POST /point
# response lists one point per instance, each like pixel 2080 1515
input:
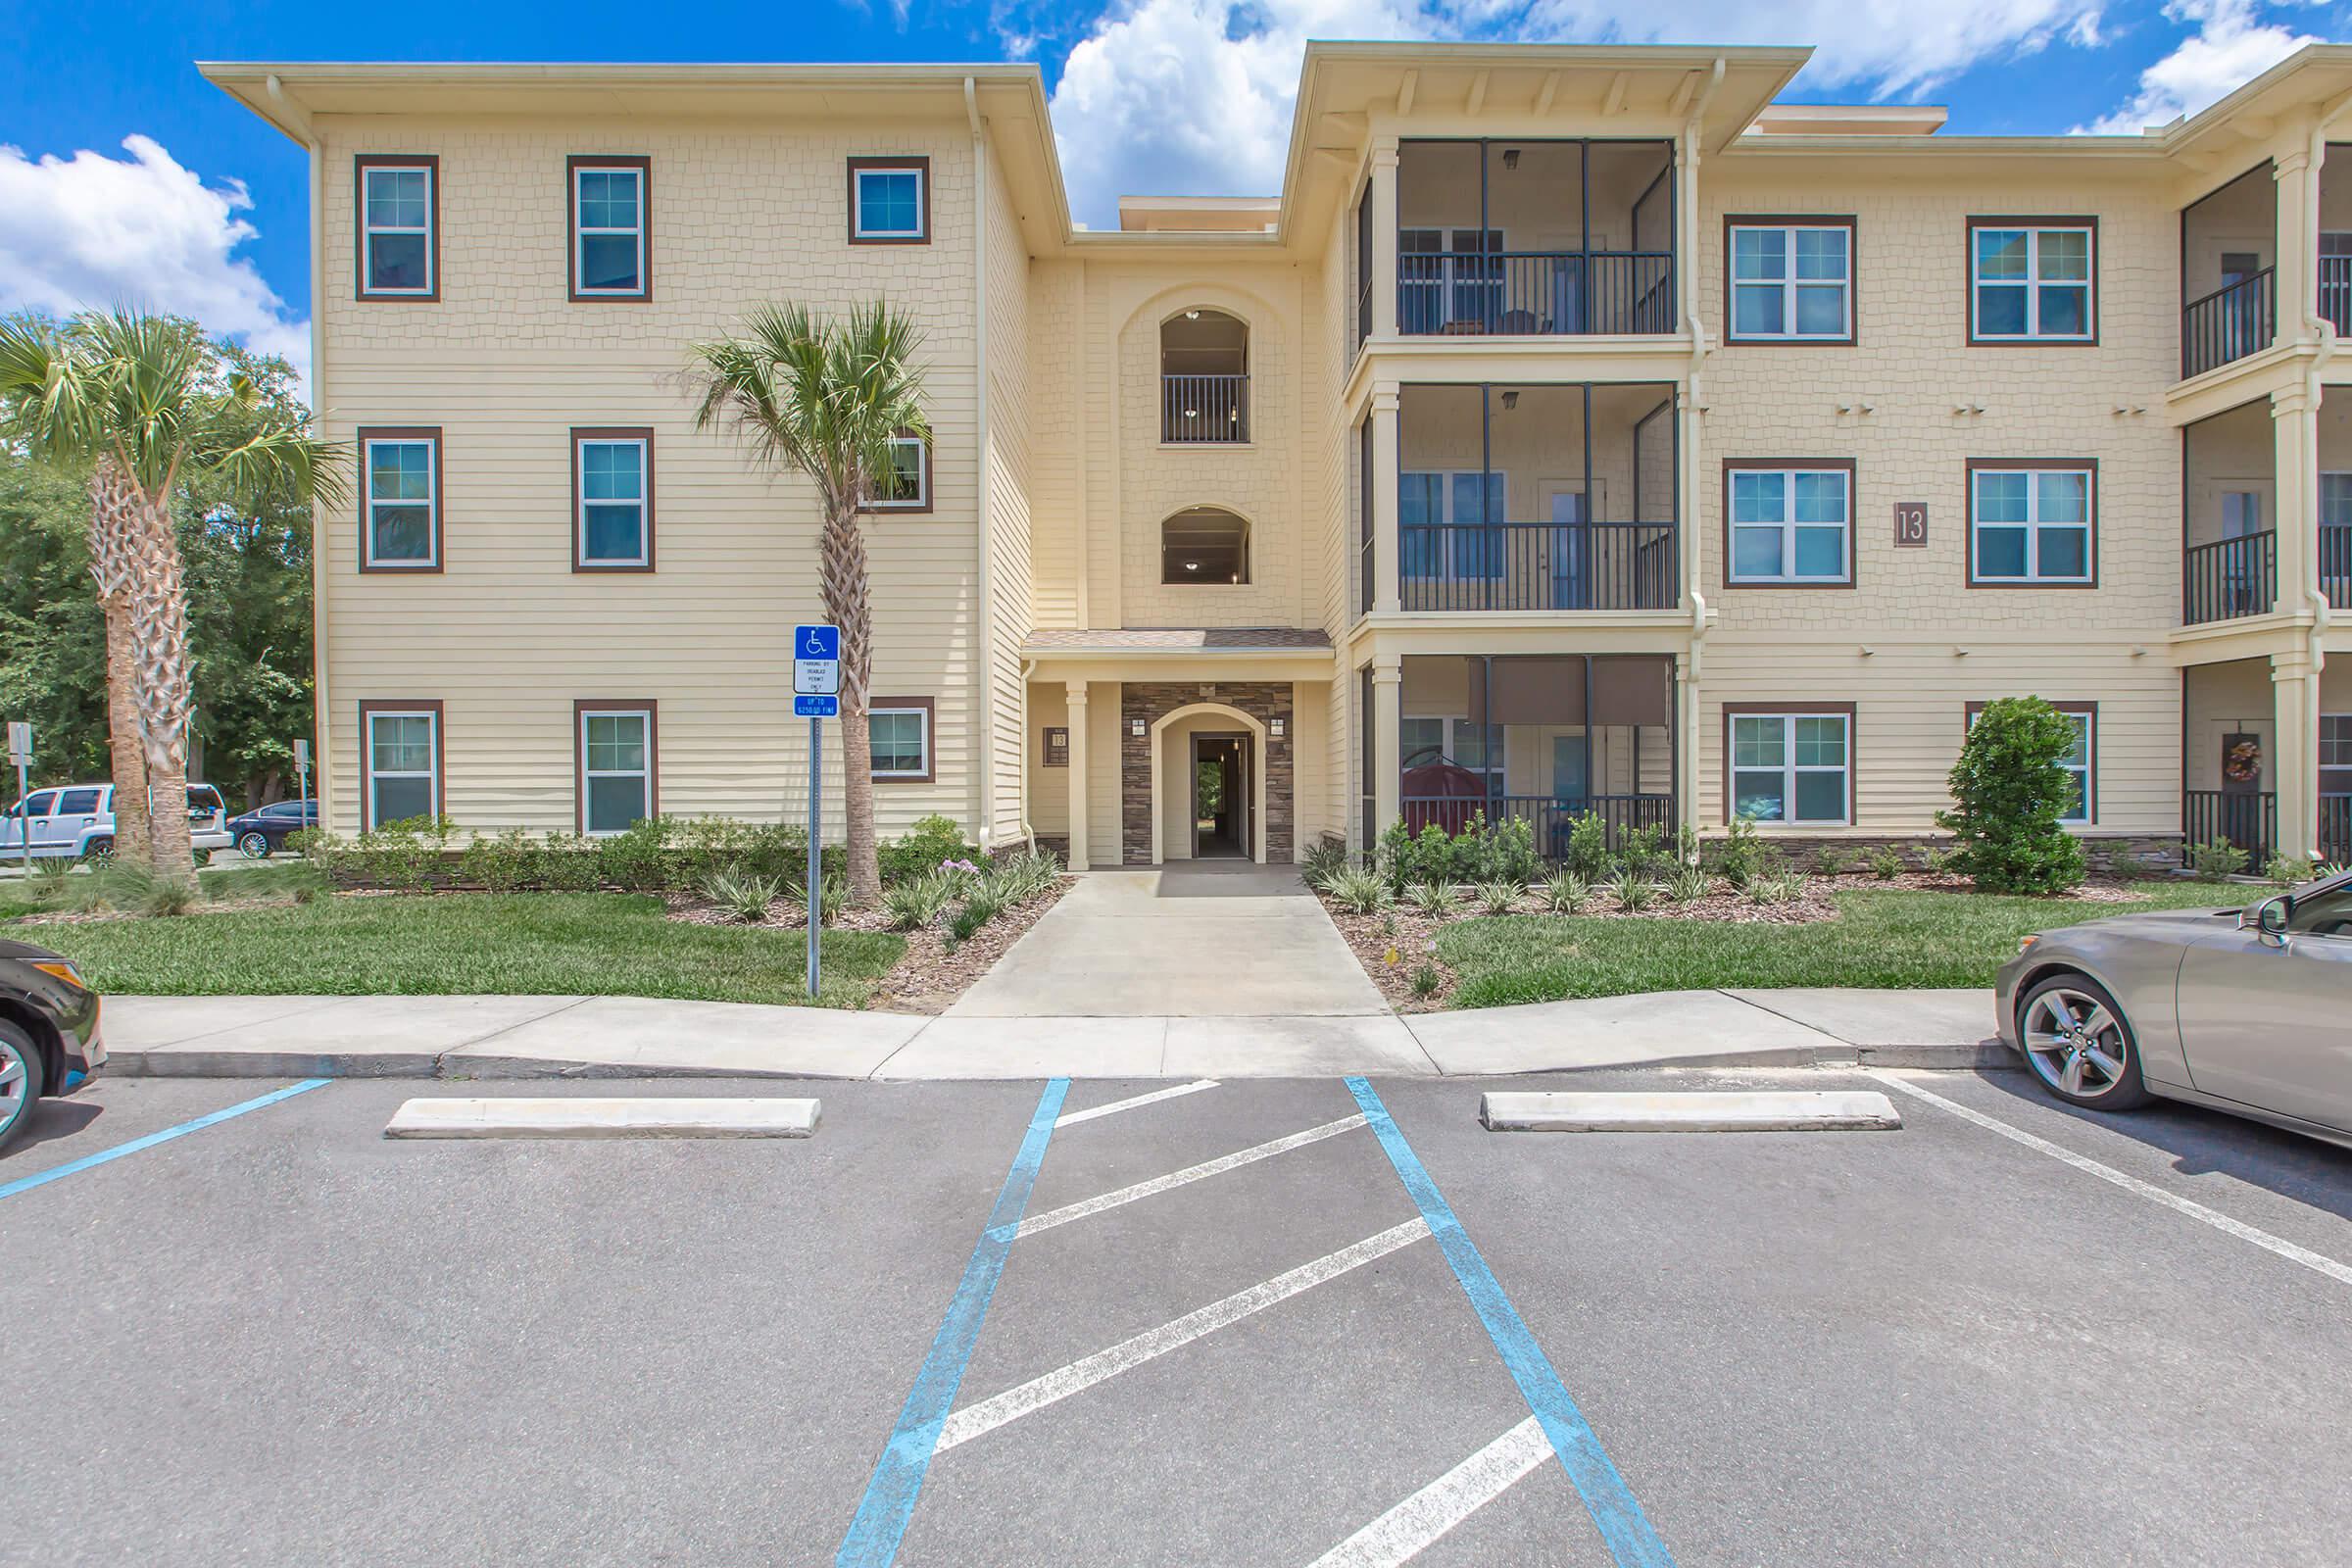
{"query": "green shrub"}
pixel 1776 887
pixel 1738 855
pixel 1830 860
pixel 1632 890
pixel 168 895
pixel 406 855
pixel 1565 892
pixel 1688 885
pixel 1022 875
pixel 1588 852
pixel 635 859
pixel 922 847
pixel 1324 860
pixel 1885 862
pixel 832 897
pixel 917 902
pixel 2008 793
pixel 743 895
pixel 1641 851
pixel 2287 870
pixel 1503 851
pixel 979 908
pixel 500 864
pixel 1436 900
pixel 2217 861
pixel 1426 981
pixel 1936 860
pixel 1359 891
pixel 1499 895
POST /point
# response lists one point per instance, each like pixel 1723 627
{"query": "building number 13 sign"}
pixel 1910 525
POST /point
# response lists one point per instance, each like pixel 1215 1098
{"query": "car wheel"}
pixel 255 844
pixel 2079 1044
pixel 101 851
pixel 20 1080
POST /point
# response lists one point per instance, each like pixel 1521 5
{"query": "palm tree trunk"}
pixel 114 529
pixel 842 566
pixel 158 624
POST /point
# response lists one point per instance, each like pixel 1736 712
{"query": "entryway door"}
pixel 1221 803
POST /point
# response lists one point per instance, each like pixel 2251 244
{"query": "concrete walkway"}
pixel 1195 939
pixel 522 1037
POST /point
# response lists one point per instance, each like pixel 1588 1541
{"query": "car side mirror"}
pixel 2268 917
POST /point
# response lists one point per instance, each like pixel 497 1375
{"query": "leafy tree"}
pixel 824 398
pixel 2008 794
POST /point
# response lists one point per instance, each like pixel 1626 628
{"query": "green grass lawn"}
pixel 600 944
pixel 1891 939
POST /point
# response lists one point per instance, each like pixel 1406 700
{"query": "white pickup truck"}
pixel 79 820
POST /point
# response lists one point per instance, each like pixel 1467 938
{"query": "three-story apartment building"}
pixel 1578 429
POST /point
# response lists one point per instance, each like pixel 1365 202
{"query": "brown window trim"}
pixel 1853 762
pixel 645 227
pixel 360 165
pixel 1968 279
pixel 2090 783
pixel 386 704
pixel 400 432
pixel 581 708
pixel 1853 508
pixel 922 166
pixel 593 432
pixel 1853 276
pixel 1968 543
pixel 910 508
pixel 929 706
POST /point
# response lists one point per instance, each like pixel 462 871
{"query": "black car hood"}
pixel 27 950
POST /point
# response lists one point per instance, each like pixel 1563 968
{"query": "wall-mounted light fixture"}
pixel 1274 728
pixel 1134 727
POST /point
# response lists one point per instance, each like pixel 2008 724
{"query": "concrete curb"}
pixel 586 1118
pixel 1691 1112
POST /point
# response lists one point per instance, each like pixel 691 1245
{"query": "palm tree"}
pixel 137 397
pixel 826 398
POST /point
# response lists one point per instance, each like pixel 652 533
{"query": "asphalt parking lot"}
pixel 281 1338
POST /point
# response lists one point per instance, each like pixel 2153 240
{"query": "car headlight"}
pixel 2025 944
pixel 62 970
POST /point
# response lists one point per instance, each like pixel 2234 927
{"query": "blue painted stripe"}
pixel 27 1184
pixel 874 1535
pixel 1623 1525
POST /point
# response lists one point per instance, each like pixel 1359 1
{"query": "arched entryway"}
pixel 1191 746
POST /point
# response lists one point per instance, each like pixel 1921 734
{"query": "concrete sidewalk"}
pixel 613 1037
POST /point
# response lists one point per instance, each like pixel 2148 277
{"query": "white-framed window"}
pixel 613 516
pixel 1792 767
pixel 1441 532
pixel 1792 281
pixel 1474 748
pixel 2080 764
pixel 900 736
pixel 890 201
pixel 396 230
pixel 400 495
pixel 1791 525
pixel 2030 283
pixel 2335 740
pixel 608 230
pixel 908 485
pixel 403 763
pixel 617 767
pixel 2030 524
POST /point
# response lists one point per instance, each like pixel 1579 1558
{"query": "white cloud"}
pixel 2231 47
pixel 1192 97
pixel 92 231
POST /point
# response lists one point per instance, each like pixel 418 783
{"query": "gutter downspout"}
pixel 1028 833
pixel 320 692
pixel 1686 232
pixel 984 668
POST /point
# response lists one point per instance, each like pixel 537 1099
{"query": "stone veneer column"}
pixel 1263 701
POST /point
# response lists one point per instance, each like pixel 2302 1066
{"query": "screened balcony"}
pixel 1537 498
pixel 2229 562
pixel 1540 238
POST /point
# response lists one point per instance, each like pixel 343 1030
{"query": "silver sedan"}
pixel 2243 1010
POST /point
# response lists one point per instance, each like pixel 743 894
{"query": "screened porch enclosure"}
pixel 1542 739
pixel 1559 497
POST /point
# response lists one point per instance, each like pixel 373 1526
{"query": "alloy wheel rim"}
pixel 254 844
pixel 12 1085
pixel 2075 1042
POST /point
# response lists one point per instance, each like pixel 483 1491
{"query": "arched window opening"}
pixel 1205 545
pixel 1203 377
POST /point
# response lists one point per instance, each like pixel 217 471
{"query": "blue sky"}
pixel 206 211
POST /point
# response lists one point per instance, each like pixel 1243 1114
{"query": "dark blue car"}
pixel 262 833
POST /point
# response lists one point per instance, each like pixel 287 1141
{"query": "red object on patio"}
pixel 1442 791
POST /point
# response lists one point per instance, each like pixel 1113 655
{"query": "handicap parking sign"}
pixel 816 661
pixel 817 708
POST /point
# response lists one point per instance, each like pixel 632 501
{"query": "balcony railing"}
pixel 1537 565
pixel 1204 408
pixel 2228 324
pixel 2249 820
pixel 2335 291
pixel 2335 563
pixel 1549 817
pixel 1535 293
pixel 2336 828
pixel 2229 578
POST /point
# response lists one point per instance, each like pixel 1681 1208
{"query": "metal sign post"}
pixel 302 777
pixel 20 752
pixel 815 697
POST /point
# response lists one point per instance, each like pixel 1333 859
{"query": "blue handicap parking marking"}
pixel 27 1184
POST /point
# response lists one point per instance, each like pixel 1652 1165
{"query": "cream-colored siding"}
pixel 1010 470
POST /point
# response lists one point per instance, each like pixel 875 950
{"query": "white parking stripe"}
pixel 1160 1184
pixel 1406 1531
pixel 2339 1272
pixel 976 1420
pixel 1152 1099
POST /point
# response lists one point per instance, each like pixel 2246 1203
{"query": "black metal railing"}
pixel 2335 563
pixel 1204 408
pixel 2335 291
pixel 2229 578
pixel 1551 817
pixel 1537 565
pixel 2335 829
pixel 2228 324
pixel 1535 293
pixel 2247 819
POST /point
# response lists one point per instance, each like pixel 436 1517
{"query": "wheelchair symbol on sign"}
pixel 816 644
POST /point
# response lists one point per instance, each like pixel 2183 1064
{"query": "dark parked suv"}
pixel 262 833
pixel 48 1032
